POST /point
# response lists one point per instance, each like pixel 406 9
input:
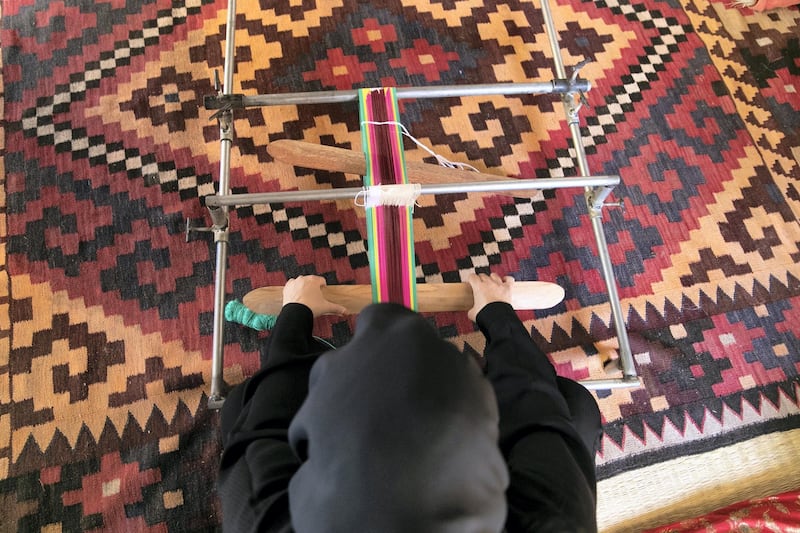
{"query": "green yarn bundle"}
pixel 237 312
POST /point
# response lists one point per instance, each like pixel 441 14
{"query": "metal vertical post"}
pixel 595 208
pixel 219 217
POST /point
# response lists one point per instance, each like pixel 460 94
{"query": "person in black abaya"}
pixel 398 431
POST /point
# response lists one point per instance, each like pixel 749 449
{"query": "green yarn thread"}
pixel 237 312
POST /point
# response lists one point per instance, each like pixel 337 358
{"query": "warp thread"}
pixel 442 160
pixel 238 313
pixel 390 228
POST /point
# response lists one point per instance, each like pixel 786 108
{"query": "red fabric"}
pixel 765 5
pixel 774 513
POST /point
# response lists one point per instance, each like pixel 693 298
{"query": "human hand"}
pixel 307 290
pixel 488 289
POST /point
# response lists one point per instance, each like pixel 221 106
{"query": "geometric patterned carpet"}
pixel 106 310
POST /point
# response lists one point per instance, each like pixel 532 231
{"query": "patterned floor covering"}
pixel 105 321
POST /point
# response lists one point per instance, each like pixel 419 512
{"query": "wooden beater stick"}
pixel 331 158
pixel 431 297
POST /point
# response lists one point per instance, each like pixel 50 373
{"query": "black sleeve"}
pixel 552 472
pixel 257 462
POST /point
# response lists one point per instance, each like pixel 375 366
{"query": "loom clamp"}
pixel 191 228
pixel 620 204
pixel 220 232
pixel 573 104
pixel 223 103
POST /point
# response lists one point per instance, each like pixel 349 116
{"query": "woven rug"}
pixel 106 309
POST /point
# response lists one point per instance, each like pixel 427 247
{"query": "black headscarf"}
pixel 398 433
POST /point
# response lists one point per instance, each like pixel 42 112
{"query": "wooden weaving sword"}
pixel 333 159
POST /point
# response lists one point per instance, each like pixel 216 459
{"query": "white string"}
pixel 443 161
pixel 401 194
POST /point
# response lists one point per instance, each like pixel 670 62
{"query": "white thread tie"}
pixel 443 161
pixel 403 195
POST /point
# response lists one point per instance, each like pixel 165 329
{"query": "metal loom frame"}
pixel 571 89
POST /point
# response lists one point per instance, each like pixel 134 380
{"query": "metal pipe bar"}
pixel 596 215
pixel 220 220
pixel 217 392
pixel 625 355
pixel 230 48
pixel 606 384
pixel 594 204
pixel 552 37
pixel 559 86
pixel 431 188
